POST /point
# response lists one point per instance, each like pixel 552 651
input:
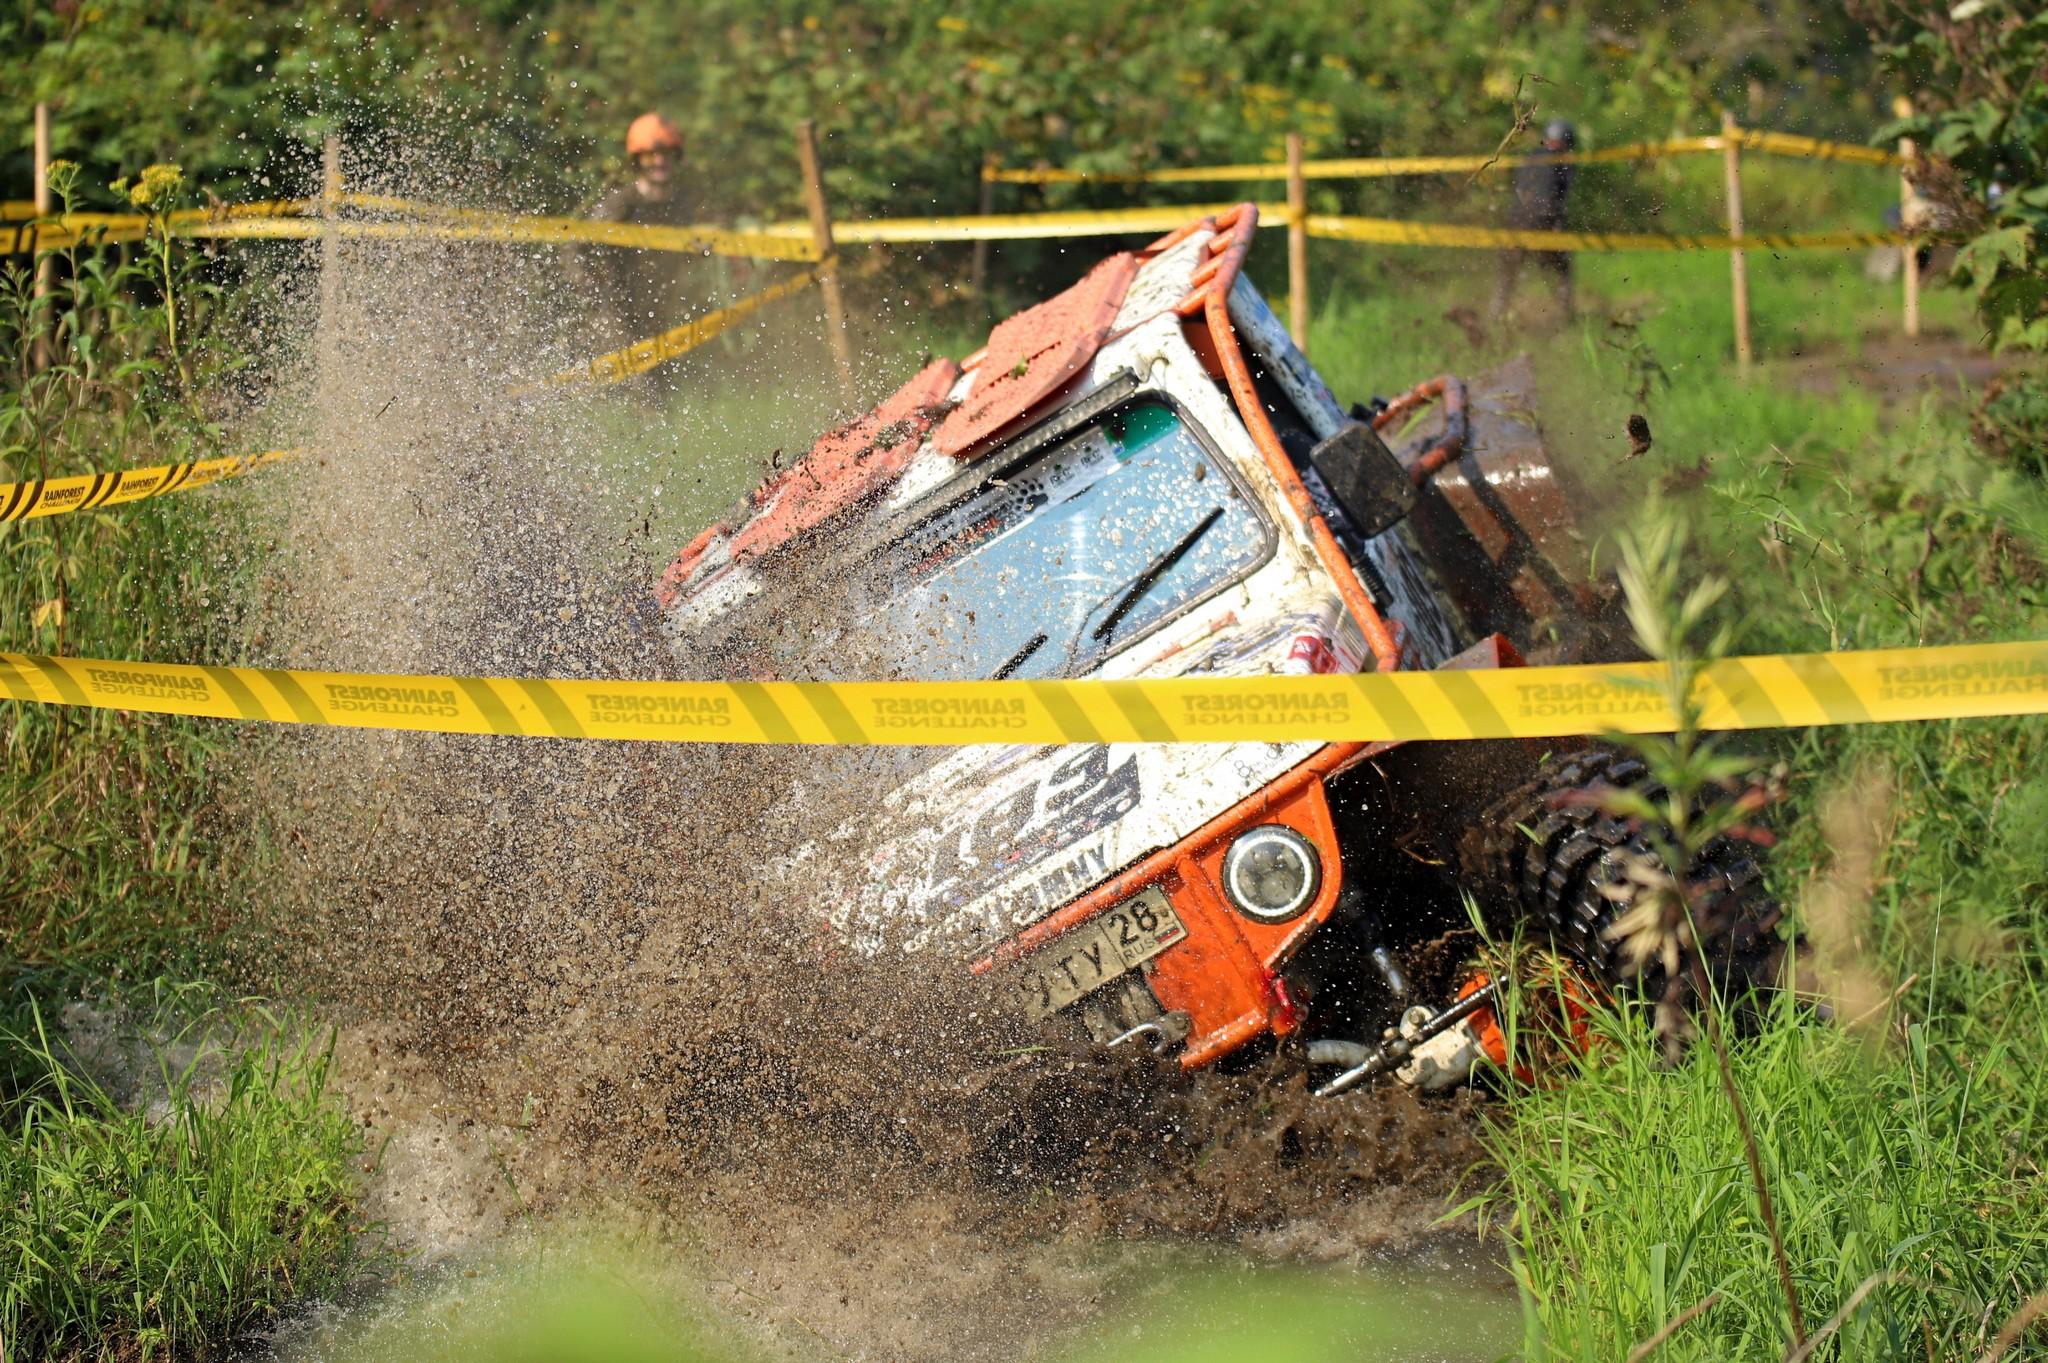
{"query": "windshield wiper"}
pixel 1146 580
pixel 1017 659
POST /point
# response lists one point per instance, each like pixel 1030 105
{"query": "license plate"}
pixel 1095 953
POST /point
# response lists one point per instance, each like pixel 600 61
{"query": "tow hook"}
pixel 1163 1033
pixel 1395 1051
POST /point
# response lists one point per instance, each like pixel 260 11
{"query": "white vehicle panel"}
pixel 990 839
pixel 1004 836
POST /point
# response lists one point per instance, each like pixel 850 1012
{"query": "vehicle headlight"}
pixel 1271 873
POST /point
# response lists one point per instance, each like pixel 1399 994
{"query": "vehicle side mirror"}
pixel 1364 477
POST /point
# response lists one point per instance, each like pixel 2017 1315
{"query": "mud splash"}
pixel 560 985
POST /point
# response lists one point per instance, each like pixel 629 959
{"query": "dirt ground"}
pixel 933 1260
pixel 1897 368
pixel 853 1157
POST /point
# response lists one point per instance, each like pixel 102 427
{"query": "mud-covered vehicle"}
pixel 1143 477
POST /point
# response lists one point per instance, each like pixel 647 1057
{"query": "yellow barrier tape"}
pixel 92 491
pixel 642 356
pixel 288 220
pixel 1395 232
pixel 504 226
pixel 1352 168
pixel 1815 149
pixel 1375 167
pixel 547 231
pixel 1787 690
pixel 1121 221
pixel 59 231
pixel 1022 226
pixel 185 217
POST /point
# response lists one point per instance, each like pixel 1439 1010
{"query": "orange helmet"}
pixel 652 132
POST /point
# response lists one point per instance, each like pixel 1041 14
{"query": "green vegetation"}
pixel 910 93
pixel 1900 1143
pixel 129 1233
pixel 1986 117
pixel 112 864
pixel 171 1230
pixel 1900 1183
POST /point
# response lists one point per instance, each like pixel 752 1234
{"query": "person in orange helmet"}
pixel 653 146
pixel 638 293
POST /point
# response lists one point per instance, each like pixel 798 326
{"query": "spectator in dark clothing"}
pixel 639 293
pixel 1538 204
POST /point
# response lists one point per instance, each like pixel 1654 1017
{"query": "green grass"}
pixel 114 863
pixel 113 870
pixel 1379 322
pixel 1905 1160
pixel 124 1235
pixel 166 1233
pixel 1903 1173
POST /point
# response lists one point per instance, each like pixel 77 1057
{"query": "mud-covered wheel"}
pixel 1558 867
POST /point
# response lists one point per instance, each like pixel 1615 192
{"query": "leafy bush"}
pixel 1984 68
pixel 910 94
pixel 2012 422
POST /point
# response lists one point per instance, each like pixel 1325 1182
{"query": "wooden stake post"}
pixel 1910 251
pixel 828 269
pixel 330 250
pixel 977 274
pixel 1297 245
pixel 46 277
pixel 1909 214
pixel 1738 266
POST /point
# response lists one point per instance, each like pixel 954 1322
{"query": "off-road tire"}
pixel 1543 863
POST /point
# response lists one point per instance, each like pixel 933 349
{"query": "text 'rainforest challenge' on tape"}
pixel 1963 681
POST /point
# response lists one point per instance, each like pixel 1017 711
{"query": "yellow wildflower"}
pixel 952 23
pixel 156 184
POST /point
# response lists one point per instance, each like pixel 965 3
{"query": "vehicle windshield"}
pixel 1049 568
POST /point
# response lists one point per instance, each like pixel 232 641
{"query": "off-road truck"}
pixel 1144 477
